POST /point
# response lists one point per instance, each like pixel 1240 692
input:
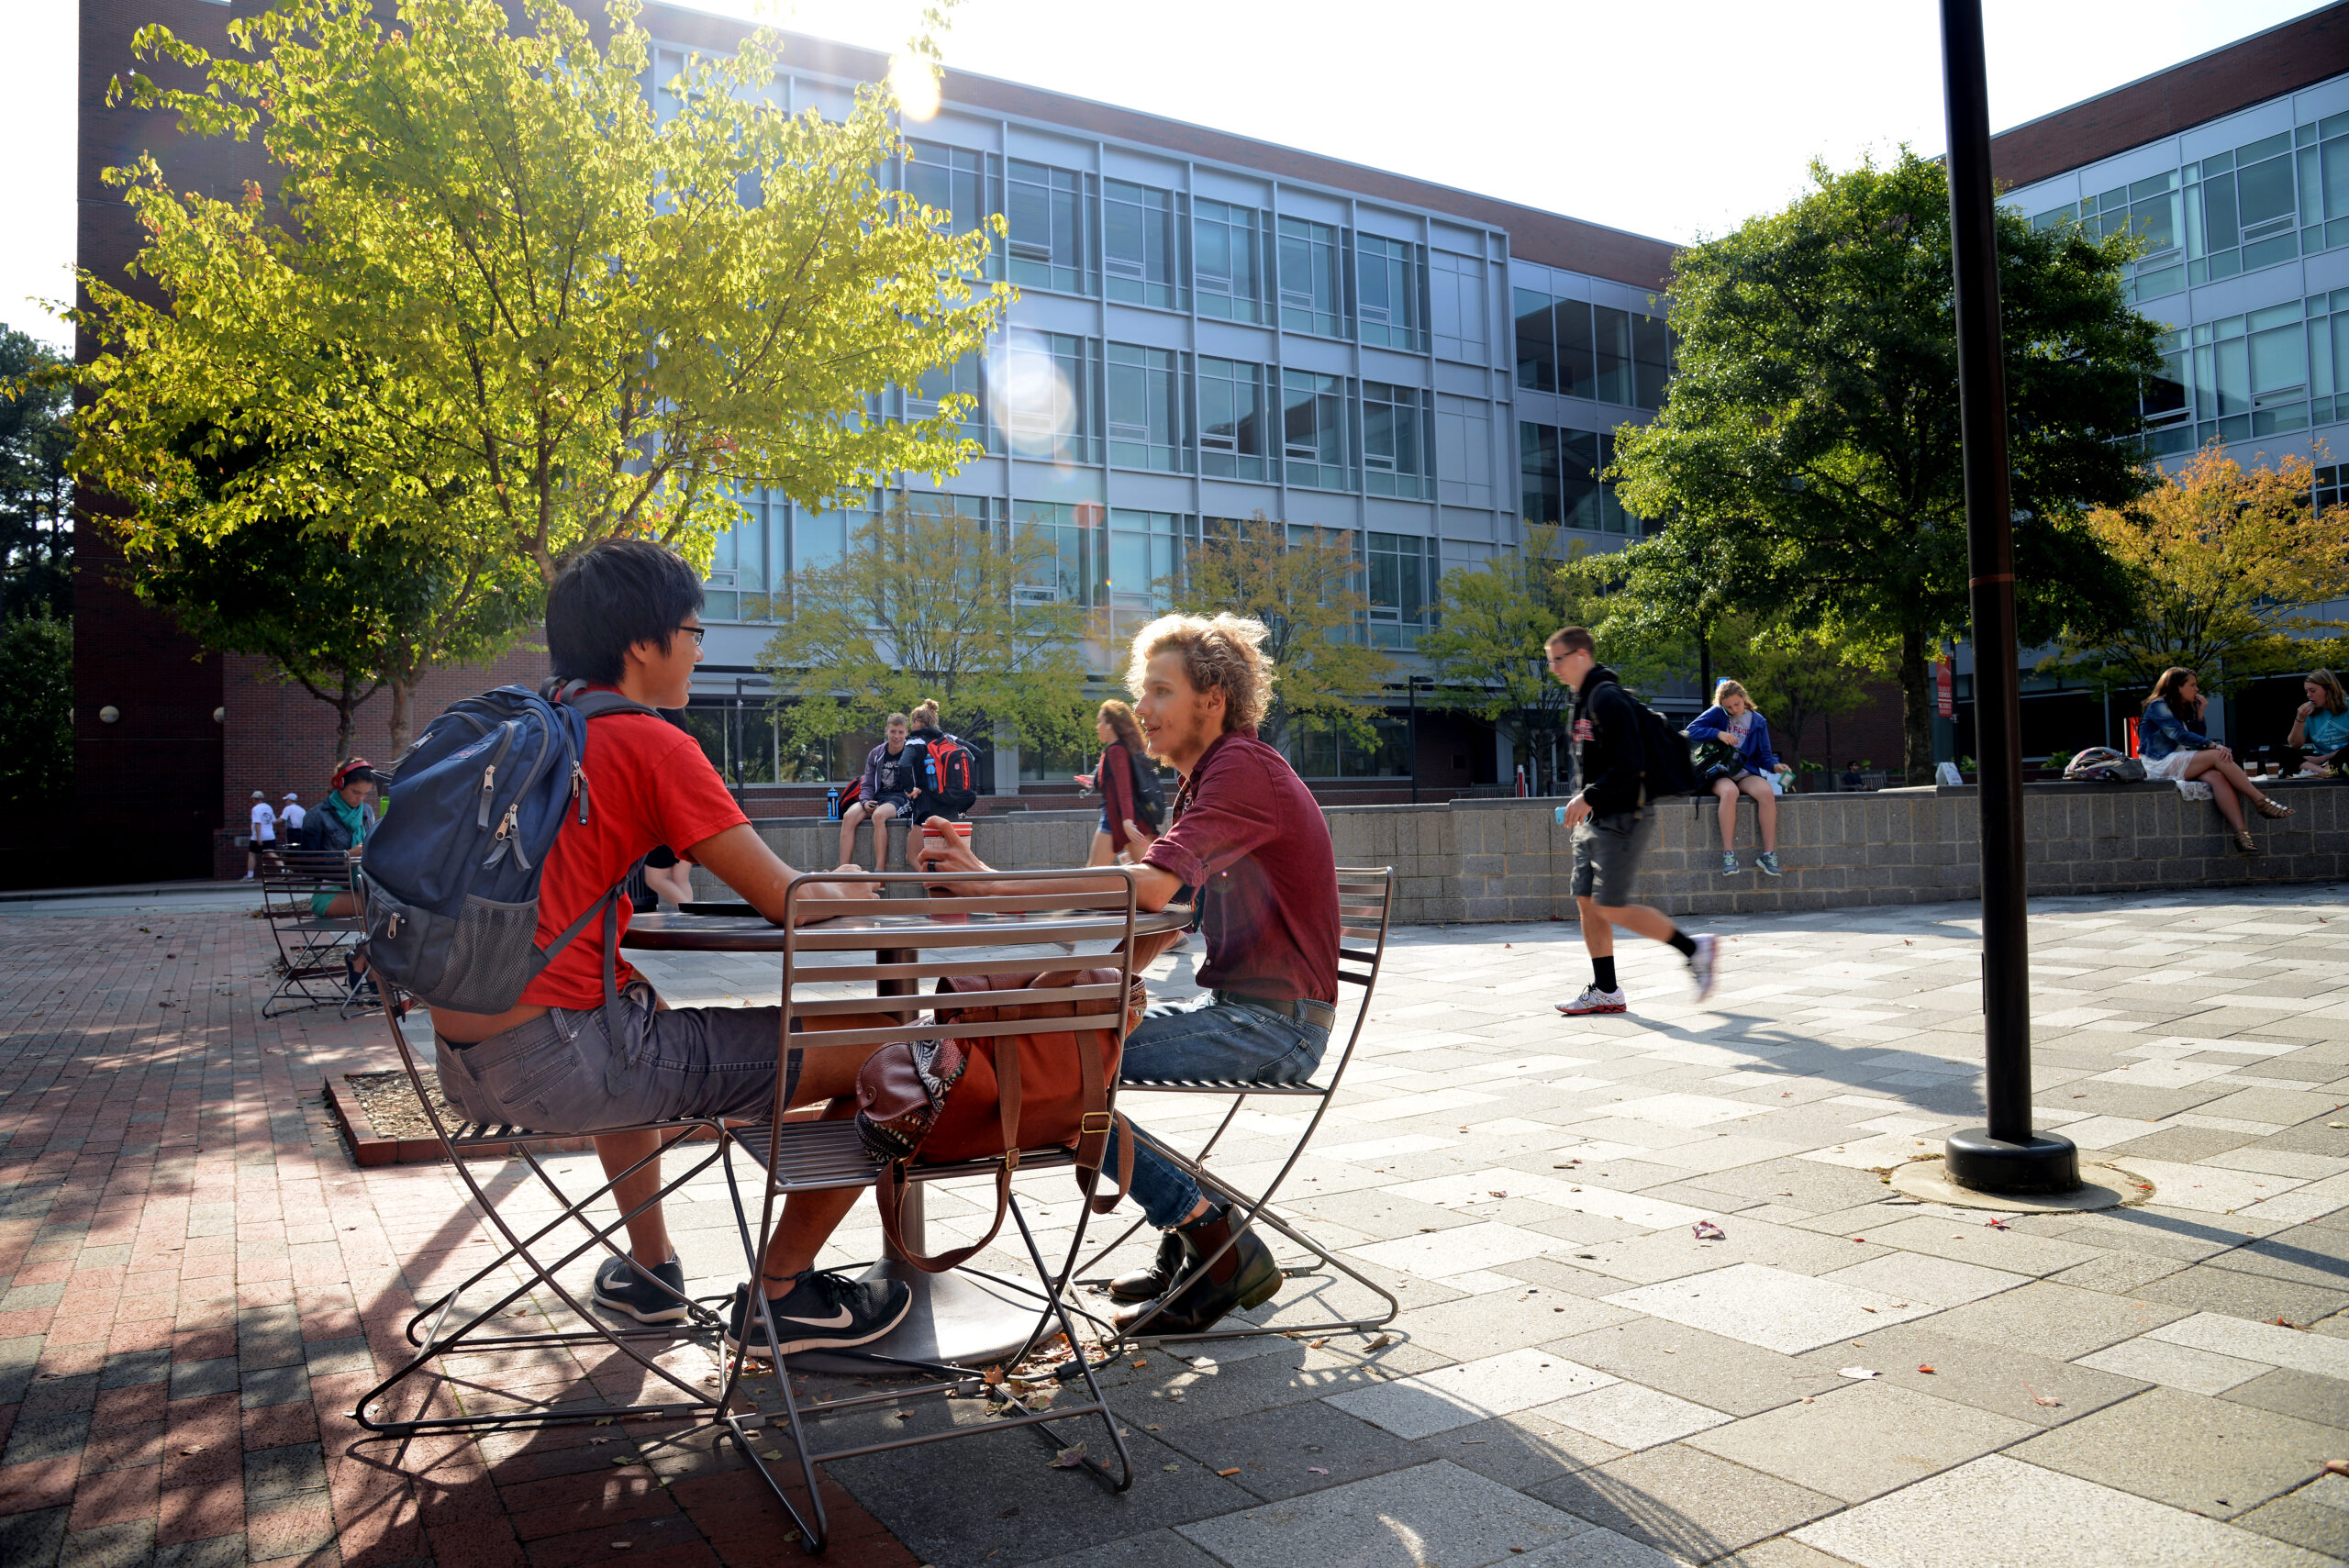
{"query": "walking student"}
pixel 264 836
pixel 2170 750
pixel 1737 759
pixel 1611 825
pixel 886 791
pixel 1128 786
pixel 290 815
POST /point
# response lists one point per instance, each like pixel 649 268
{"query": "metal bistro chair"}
pixel 800 1156
pixel 1365 903
pixel 310 947
pixel 542 1258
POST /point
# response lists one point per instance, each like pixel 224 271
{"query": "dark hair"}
pixel 1573 640
pixel 611 597
pixel 1120 720
pixel 2168 689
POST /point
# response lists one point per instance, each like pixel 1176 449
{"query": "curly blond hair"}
pixel 1223 652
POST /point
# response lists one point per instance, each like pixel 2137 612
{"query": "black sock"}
pixel 1681 944
pixel 1602 972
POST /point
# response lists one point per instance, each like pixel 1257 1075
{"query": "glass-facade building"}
pixel 1200 338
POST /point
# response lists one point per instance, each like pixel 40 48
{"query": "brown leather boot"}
pixel 1149 1284
pixel 1244 1276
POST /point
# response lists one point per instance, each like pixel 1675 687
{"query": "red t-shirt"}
pixel 648 784
pixel 1247 834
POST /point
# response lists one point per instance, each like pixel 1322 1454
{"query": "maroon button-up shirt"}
pixel 1248 835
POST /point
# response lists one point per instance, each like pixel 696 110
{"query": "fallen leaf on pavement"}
pixel 1997 1224
pixel 1068 1458
pixel 1921 1367
pixel 2336 1467
pixel 1856 1372
pixel 1170 1467
pixel 1705 1230
pixel 1233 1471
pixel 992 1376
pixel 2039 1398
pixel 1381 1342
pixel 1867 1309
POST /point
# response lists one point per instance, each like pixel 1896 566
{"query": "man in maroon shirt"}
pixel 1247 834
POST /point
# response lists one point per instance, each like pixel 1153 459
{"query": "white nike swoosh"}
pixel 839 1320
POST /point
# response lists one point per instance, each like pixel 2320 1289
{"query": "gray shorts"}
pixel 1607 856
pixel 575 1072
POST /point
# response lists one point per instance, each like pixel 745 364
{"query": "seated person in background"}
pixel 1851 779
pixel 658 875
pixel 1733 723
pixel 1247 831
pixel 2172 753
pixel 342 822
pixel 885 794
pixel 2320 727
pixel 624 616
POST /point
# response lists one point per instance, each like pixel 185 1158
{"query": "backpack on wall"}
pixel 2102 764
pixel 452 878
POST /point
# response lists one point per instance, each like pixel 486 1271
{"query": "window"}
pixel 1323 750
pixel 2332 488
pixel 1146 407
pixel 1312 293
pixel 2328 355
pixel 1537 462
pixel 2276 350
pixel 1232 419
pixel 965 186
pixel 1463 449
pixel 1048 238
pixel 1613 344
pixel 1537 346
pixel 1402 580
pixel 1047 398
pixel 821 538
pixel 1142 240
pixel 1612 516
pixel 1395 439
pixel 1146 552
pixel 1456 306
pixel 1227 262
pixel 746 563
pixel 1313 429
pixel 2166 403
pixel 1075 573
pixel 1651 359
pixel 2241 208
pixel 1579 501
pixel 1387 285
pixel 1577 348
pixel 964 378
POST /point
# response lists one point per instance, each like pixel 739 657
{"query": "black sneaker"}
pixel 623 1285
pixel 825 1311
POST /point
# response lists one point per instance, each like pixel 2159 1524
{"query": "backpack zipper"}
pixel 489 774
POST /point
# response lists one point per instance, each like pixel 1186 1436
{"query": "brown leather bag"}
pixel 1012 1092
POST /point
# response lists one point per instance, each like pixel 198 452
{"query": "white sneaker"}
pixel 1594 1000
pixel 1701 965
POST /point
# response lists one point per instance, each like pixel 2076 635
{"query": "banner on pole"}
pixel 1945 688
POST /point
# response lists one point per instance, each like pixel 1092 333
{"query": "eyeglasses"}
pixel 696 632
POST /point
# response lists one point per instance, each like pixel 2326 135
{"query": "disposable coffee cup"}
pixel 940 829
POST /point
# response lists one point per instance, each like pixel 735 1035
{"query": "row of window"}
pixel 1055 397
pixel 1558 483
pixel 2265 373
pixel 1073 232
pixel 1119 560
pixel 2266 202
pixel 1579 349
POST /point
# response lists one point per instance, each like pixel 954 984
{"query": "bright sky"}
pixel 1675 121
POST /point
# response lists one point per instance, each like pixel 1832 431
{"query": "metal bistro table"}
pixel 960 1317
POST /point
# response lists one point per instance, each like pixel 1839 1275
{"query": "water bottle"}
pixel 832 803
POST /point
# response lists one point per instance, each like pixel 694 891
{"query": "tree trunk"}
pixel 1704 663
pixel 1916 709
pixel 345 720
pixel 403 714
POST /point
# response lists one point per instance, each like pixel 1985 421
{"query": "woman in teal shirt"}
pixel 2322 726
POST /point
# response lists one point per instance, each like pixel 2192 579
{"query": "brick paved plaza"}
pixel 199 1284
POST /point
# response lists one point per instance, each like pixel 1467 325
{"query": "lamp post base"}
pixel 2044 1162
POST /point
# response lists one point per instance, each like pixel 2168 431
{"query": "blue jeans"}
pixel 1204 1038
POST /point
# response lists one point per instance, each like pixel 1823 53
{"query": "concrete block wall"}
pixel 1508 860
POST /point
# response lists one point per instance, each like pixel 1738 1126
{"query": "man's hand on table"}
pixel 950 857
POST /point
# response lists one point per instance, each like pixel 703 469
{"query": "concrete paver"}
pixel 196 1285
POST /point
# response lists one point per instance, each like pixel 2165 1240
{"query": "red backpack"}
pixel 949 770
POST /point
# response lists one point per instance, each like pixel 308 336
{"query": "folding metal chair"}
pixel 310 947
pixel 1366 902
pixel 970 939
pixel 536 1251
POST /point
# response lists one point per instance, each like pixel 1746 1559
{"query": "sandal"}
pixel 2267 808
pixel 2246 843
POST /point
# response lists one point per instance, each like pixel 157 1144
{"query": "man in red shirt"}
pixel 624 616
pixel 1248 835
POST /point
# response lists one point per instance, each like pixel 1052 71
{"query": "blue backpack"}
pixel 451 877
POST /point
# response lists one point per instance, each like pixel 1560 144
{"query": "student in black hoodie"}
pixel 1612 826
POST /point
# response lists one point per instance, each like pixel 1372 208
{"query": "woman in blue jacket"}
pixel 2170 750
pixel 1732 722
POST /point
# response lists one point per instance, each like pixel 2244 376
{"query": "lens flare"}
pixel 1033 400
pixel 914 82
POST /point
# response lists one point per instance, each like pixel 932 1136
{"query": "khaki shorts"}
pixel 1607 856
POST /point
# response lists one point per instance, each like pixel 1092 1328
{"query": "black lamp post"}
pixel 2007 1156
pixel 1412 684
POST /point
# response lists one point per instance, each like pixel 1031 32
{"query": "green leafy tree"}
pixel 497 302
pixel 2232 564
pixel 1811 434
pixel 929 603
pixel 36 711
pixel 36 495
pixel 1304 584
pixel 1487 653
pixel 1796 677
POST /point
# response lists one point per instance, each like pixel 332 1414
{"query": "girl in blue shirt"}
pixel 2322 726
pixel 2170 750
pixel 1733 721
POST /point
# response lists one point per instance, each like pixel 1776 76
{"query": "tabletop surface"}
pixel 701 928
